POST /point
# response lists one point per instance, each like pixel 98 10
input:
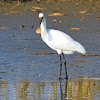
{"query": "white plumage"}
pixel 57 40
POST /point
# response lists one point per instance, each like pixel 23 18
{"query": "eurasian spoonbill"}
pixel 59 41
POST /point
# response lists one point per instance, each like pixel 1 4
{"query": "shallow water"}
pixel 29 69
pixel 78 89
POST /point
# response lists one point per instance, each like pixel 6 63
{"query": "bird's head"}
pixel 41 15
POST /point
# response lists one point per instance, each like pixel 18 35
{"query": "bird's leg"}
pixel 60 66
pixel 65 66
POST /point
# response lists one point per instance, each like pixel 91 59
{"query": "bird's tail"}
pixel 80 48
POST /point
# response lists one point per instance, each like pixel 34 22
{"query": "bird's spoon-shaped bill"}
pixel 38 31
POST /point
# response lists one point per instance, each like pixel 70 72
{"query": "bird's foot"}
pixel 60 78
pixel 66 77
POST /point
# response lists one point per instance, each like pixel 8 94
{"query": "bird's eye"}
pixel 41 18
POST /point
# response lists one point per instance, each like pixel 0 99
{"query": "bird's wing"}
pixel 60 40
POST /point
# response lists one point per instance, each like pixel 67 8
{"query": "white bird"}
pixel 59 41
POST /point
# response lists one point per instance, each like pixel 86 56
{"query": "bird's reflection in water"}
pixel 63 88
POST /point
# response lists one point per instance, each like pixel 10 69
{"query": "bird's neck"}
pixel 43 27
